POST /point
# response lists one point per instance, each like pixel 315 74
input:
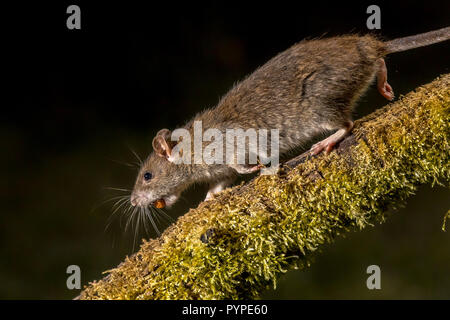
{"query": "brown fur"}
pixel 310 88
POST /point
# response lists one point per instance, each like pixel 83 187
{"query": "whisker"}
pixel 128 210
pixel 154 215
pixel 136 218
pixel 165 215
pixel 131 165
pixel 130 218
pixel 145 224
pixel 136 226
pixel 119 204
pixel 117 189
pixel 95 207
pixel 149 215
pixel 184 199
pixel 136 155
pixel 108 200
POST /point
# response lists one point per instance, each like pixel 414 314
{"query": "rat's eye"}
pixel 147 176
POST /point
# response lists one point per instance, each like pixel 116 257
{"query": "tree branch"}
pixel 236 245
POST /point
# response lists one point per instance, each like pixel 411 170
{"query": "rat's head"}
pixel 160 181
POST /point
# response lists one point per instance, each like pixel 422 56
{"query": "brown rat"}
pixel 304 91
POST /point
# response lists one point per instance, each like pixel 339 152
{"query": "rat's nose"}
pixel 138 200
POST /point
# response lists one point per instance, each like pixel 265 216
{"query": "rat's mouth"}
pixel 142 199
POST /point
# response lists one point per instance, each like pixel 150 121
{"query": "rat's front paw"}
pixel 247 169
pixel 209 196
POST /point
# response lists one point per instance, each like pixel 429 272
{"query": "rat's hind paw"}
pixel 383 86
pixel 328 143
pixel 386 91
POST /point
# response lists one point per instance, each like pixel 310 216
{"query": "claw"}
pixel 384 87
pixel 329 143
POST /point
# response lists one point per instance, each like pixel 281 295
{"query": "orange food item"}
pixel 160 203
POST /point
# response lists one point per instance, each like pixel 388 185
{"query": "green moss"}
pixel 237 245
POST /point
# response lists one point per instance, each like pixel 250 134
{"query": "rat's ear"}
pixel 162 144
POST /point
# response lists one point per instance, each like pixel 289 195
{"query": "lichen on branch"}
pixel 236 245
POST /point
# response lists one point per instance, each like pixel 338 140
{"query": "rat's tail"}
pixel 419 40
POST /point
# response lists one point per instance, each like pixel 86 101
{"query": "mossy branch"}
pixel 236 245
